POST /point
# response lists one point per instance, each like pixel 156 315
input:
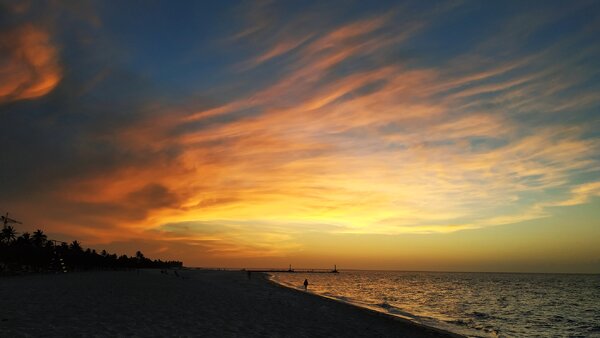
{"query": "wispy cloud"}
pixel 580 194
pixel 349 125
pixel 399 130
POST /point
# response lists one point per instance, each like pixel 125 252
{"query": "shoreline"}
pixel 195 303
pixel 270 278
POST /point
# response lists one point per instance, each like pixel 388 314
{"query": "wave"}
pixel 391 310
pixel 471 304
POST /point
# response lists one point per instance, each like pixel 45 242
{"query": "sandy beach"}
pixel 202 303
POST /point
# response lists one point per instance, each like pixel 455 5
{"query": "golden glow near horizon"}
pixel 326 144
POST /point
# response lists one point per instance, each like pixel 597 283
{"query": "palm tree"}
pixel 9 234
pixel 39 238
pixel 24 239
pixel 75 246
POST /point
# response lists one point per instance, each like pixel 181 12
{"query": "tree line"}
pixel 36 253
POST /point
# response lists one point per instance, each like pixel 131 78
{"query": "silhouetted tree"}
pixel 37 253
pixel 24 239
pixel 39 238
pixel 8 234
pixel 75 246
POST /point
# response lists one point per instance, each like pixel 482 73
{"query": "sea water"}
pixel 471 304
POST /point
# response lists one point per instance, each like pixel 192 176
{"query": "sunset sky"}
pixel 451 135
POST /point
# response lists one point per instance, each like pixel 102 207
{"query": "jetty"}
pixel 303 270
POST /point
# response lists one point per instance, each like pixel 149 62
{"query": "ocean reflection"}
pixel 473 304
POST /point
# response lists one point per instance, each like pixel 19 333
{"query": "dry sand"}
pixel 204 303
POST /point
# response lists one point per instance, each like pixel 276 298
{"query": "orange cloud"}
pixel 389 159
pixel 390 148
pixel 29 66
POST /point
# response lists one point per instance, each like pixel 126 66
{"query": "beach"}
pixel 197 303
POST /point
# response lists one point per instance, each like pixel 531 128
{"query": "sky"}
pixel 436 135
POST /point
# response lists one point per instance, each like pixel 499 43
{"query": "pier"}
pixel 290 270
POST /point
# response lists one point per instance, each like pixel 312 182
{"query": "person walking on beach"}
pixel 305 284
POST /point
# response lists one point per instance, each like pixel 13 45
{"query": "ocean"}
pixel 470 304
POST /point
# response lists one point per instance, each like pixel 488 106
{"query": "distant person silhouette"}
pixel 249 274
pixel 305 284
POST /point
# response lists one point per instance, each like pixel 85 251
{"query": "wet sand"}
pixel 203 303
